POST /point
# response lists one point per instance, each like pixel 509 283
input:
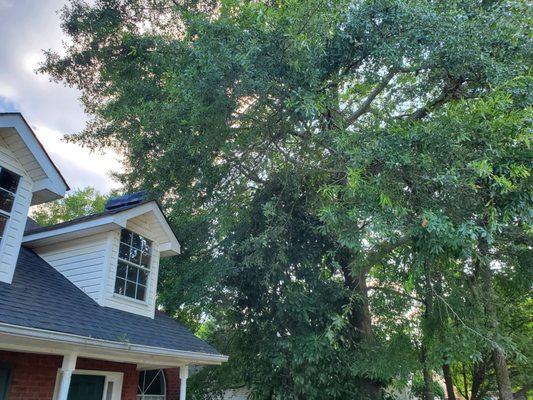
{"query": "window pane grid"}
pixel 7 199
pixel 9 182
pixel 3 223
pixel 131 254
pixel 4 190
pixel 133 266
pixel 152 385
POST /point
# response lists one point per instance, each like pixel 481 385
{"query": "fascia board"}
pixel 73 231
pixel 152 207
pixel 57 183
pixel 86 343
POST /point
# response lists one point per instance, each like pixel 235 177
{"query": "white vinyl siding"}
pixel 9 160
pixel 81 261
pixel 141 226
pixel 14 230
pixel 91 264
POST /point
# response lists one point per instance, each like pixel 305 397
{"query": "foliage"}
pixel 78 203
pixel 342 175
pixel 417 388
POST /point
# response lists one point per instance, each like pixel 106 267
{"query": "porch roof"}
pixel 41 298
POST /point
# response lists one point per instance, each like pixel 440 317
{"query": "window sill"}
pixel 130 299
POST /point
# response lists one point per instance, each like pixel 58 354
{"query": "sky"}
pixel 27 27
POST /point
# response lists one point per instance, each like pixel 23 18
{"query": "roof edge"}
pixel 39 143
pixel 143 350
pixel 98 221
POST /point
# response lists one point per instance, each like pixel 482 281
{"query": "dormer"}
pixel 112 256
pixel 27 177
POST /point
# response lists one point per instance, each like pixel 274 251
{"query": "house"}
pixel 78 315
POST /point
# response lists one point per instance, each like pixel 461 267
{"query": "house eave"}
pixel 20 338
pixel 54 185
pixel 104 223
pixel 83 229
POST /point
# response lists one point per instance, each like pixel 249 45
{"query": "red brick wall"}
pixel 33 376
pixel 172 378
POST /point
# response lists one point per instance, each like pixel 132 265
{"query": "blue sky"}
pixel 27 27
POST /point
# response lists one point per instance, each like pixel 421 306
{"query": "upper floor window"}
pixel 133 265
pixel 9 182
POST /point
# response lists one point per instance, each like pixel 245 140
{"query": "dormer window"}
pixel 133 265
pixel 9 182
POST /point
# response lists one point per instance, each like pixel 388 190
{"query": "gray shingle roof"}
pixel 33 227
pixel 40 297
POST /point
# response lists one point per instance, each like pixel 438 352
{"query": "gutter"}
pixel 61 337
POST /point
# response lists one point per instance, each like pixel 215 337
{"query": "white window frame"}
pixel 132 264
pixel 116 378
pixel 5 213
pixel 155 396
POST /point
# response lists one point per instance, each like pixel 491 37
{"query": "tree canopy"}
pixel 78 203
pixel 350 180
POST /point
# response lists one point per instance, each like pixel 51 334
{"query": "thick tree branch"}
pixel 363 108
pixel 381 251
pixel 448 93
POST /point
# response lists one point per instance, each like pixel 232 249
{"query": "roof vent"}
pixel 124 201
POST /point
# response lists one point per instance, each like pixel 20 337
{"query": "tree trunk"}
pixel 450 394
pixel 428 302
pixel 498 355
pixel 426 372
pixel 502 374
pixel 478 376
pixel 361 320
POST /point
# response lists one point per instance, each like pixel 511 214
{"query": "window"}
pixel 151 385
pixel 91 384
pixel 87 387
pixel 9 182
pixel 133 265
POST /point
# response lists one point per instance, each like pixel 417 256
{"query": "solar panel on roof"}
pixel 126 200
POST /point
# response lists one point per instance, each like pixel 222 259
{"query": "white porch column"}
pixel 68 367
pixel 184 374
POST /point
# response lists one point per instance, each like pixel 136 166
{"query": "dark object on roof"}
pixel 31 225
pixel 40 297
pixel 126 200
pixel 38 229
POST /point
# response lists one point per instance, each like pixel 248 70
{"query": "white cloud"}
pixel 79 165
pixel 26 28
pixel 6 4
pixel 8 91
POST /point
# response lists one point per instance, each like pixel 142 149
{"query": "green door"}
pixel 86 387
pixel 4 381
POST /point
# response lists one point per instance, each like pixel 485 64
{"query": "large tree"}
pixel 296 147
